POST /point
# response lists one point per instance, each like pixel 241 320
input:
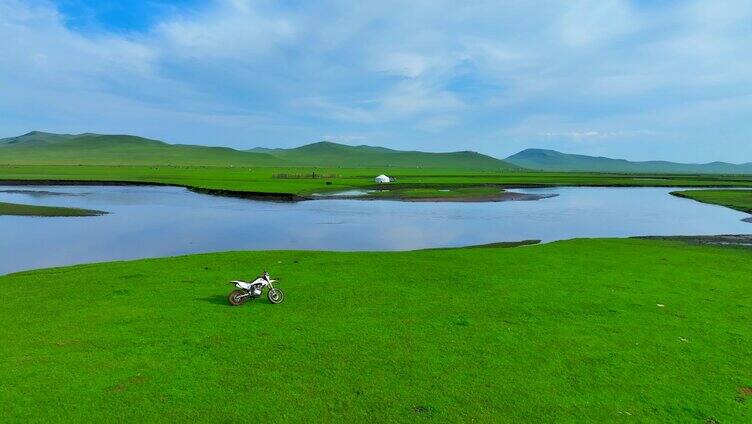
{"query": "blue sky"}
pixel 633 79
pixel 118 16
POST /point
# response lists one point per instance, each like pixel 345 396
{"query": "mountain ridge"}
pixel 553 160
pixel 327 153
pixel 43 148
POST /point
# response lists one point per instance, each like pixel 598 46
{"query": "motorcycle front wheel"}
pixel 275 296
pixel 237 297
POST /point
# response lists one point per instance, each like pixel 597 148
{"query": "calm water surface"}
pixel 161 221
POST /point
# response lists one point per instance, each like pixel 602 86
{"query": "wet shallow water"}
pixel 162 221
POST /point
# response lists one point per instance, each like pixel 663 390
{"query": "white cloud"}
pixel 586 23
pixel 234 30
pixel 402 64
pixel 436 72
pixel 329 109
pixel 438 123
pixel 411 98
pixel 345 138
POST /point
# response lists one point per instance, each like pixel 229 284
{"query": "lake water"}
pixel 161 221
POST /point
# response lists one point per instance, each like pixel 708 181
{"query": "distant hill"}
pixel 95 149
pixel 333 155
pixel 551 160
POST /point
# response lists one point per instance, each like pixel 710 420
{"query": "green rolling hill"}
pixel 41 148
pixel 339 155
pixel 551 160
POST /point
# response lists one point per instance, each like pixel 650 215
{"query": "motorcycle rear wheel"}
pixel 237 297
pixel 275 296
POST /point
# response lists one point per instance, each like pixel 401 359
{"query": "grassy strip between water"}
pixel 577 331
pixel 246 181
pixel 740 200
pixel 475 193
pixel 17 209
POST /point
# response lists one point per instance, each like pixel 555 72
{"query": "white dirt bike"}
pixel 248 290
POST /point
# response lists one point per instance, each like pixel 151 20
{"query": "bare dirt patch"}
pixel 68 342
pixel 41 193
pixel 733 240
pixel 506 196
pixel 124 385
pixel 422 409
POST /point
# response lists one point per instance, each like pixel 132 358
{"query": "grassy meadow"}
pixel 298 172
pixel 575 331
pixel 306 181
pixel 49 211
pixel 735 199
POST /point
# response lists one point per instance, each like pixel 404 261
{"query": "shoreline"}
pixel 507 196
pixel 743 241
pixel 686 194
pixel 280 197
pixel 43 211
pixel 250 195
pixel 733 240
pixel 293 198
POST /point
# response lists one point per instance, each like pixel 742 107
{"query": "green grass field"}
pixel 265 180
pixel 736 199
pixel 575 331
pixel 34 210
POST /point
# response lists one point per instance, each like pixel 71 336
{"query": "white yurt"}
pixel 381 179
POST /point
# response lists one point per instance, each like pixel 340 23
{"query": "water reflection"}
pixel 161 221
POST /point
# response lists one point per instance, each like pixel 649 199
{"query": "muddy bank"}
pixel 39 193
pixel 497 245
pixel 250 195
pixel 19 209
pixel 82 183
pixel 737 240
pixel 402 194
pixel 506 196
pixel 272 196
